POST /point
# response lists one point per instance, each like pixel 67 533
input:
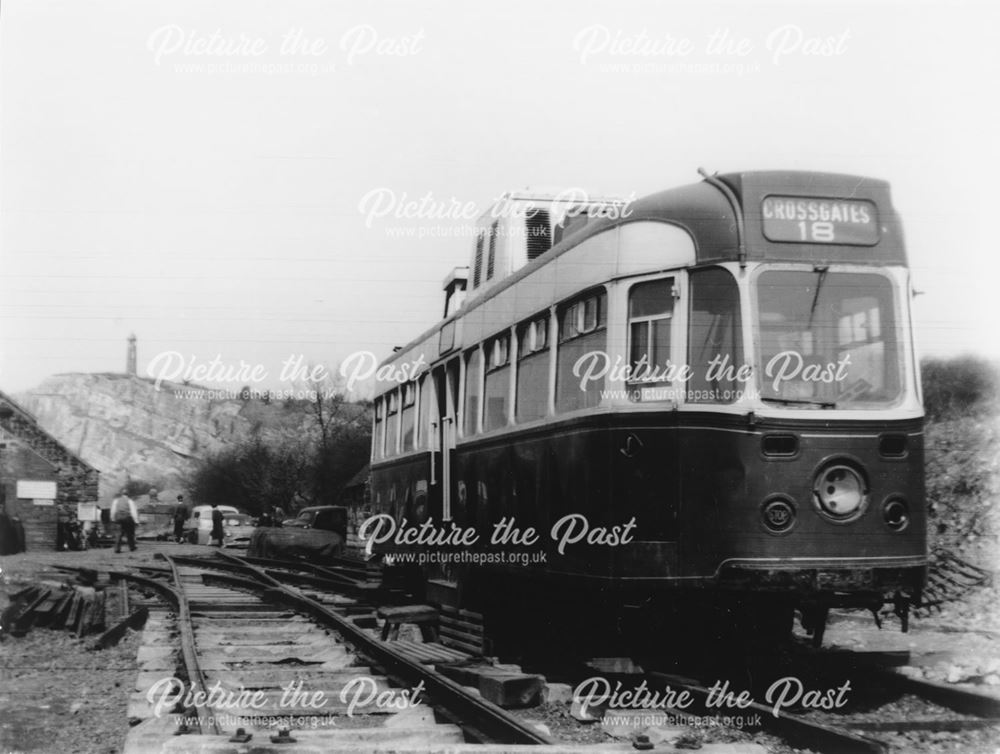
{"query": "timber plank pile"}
pixel 56 605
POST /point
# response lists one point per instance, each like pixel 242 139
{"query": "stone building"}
pixel 37 474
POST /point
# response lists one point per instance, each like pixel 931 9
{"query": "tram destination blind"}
pixel 796 219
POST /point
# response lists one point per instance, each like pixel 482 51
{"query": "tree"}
pixel 342 431
pixel 308 461
pixel 255 474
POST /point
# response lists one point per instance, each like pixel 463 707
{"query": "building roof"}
pixel 13 418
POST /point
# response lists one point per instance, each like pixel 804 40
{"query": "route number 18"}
pixel 817 231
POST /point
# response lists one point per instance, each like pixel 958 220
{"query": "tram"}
pixel 705 399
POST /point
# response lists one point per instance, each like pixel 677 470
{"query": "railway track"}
pixel 249 658
pixel 285 631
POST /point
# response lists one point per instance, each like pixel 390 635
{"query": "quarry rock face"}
pixel 129 429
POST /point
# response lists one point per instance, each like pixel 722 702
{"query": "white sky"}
pixel 216 212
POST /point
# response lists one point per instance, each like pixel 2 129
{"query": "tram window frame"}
pixel 378 431
pixel 472 412
pixel 651 322
pixel 698 389
pixel 391 410
pixel 577 308
pixel 496 382
pixel 576 311
pixel 425 387
pixel 533 336
pixel 531 401
pixel 870 334
pixel 498 348
pixel 408 415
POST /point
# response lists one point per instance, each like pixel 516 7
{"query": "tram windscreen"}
pixel 827 339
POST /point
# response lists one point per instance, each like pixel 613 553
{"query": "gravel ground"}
pixel 56 696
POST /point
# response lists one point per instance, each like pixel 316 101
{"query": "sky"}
pixel 274 184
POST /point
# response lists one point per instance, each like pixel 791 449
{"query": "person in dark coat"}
pixel 217 532
pixel 180 518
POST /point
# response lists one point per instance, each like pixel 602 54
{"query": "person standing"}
pixel 62 526
pixel 180 518
pixel 124 515
pixel 217 532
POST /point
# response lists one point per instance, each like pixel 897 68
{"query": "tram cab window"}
pixel 715 345
pixel 497 387
pixel 650 316
pixel 827 338
pixel 582 328
pixel 408 419
pixel 473 372
pixel 532 396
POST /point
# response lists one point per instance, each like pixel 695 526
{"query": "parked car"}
pixel 317 533
pixel 237 527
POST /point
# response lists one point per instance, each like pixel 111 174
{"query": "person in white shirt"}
pixel 124 515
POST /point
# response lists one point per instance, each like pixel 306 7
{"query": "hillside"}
pixel 129 429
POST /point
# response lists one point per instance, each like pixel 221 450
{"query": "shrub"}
pixel 958 386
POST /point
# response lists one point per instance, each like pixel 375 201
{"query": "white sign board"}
pixel 31 490
pixel 88 512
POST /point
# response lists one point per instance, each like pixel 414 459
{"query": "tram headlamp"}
pixel 839 492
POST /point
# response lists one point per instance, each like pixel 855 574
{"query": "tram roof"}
pixel 708 216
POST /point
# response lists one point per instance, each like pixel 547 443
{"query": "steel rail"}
pixel 875 666
pixel 956 698
pixel 485 717
pixel 795 729
pixel 165 590
pixel 341 570
pixel 308 574
pixel 189 650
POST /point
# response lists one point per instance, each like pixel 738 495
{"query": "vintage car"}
pixel 236 527
pixel 317 533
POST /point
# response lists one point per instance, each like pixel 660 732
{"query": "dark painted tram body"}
pixel 798 478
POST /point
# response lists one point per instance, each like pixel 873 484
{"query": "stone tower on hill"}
pixel 131 356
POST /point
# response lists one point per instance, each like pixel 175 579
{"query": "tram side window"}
pixel 378 440
pixel 472 374
pixel 391 422
pixel 497 389
pixel 582 329
pixel 424 437
pixel 650 314
pixel 408 416
pixel 532 370
pixel 715 349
